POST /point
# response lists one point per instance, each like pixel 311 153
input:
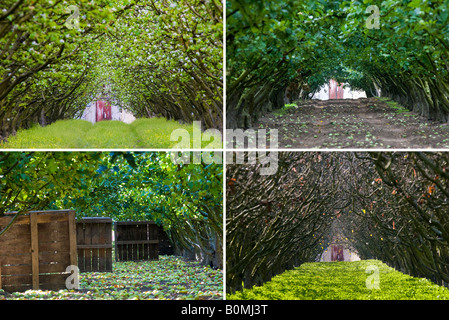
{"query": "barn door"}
pixel 337 253
pixel 335 90
pixel 340 92
pixel 104 111
pixel 107 113
pixel 100 108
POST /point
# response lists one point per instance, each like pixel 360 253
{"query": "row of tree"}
pixel 389 206
pixel 283 50
pixel 186 199
pixel 275 222
pixel 159 58
pixel 400 212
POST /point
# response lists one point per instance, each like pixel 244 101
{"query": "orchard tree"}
pixel 157 58
pixel 284 50
pixel 38 180
pixel 185 199
pixel 275 222
pixel 390 206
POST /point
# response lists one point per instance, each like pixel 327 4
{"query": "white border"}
pixel 223 149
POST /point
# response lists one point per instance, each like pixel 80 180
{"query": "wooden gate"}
pixel 136 241
pixel 36 250
pixel 94 244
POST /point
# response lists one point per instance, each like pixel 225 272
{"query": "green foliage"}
pixel 186 199
pixel 35 180
pixel 284 111
pixel 81 134
pixel 343 281
pixel 155 182
pixel 396 106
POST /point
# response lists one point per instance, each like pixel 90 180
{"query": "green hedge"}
pixel 343 281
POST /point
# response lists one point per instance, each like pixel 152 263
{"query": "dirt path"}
pixel 360 123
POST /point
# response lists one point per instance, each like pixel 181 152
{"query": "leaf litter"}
pixel 169 278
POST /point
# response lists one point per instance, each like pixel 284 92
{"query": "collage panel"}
pixel 338 226
pixel 338 74
pixel 111 226
pixel 111 74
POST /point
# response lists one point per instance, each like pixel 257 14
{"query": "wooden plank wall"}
pixel 165 246
pixel 136 241
pixel 94 243
pixel 36 250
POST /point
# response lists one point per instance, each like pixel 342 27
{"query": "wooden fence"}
pixel 36 250
pixel 94 244
pixel 136 241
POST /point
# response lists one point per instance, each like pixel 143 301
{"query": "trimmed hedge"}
pixel 343 281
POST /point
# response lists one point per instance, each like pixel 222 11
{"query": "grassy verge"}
pixel 397 108
pixel 81 134
pixel 343 281
pixel 283 111
pixel 169 278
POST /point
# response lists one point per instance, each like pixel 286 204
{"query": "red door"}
pixel 337 253
pixel 340 92
pixel 107 113
pixel 335 90
pixel 332 89
pixel 100 108
pixel 104 111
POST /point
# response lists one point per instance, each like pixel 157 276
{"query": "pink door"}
pixel 100 108
pixel 340 92
pixel 104 111
pixel 335 90
pixel 332 89
pixel 337 253
pixel 107 113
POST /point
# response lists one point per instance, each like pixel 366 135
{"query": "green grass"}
pixel 81 134
pixel 343 281
pixel 398 109
pixel 169 278
pixel 285 109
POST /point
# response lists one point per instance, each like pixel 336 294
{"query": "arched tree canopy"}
pixel 390 206
pixel 272 45
pixel 154 57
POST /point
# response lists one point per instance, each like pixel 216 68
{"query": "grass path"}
pixel 343 281
pixel 169 278
pixel 80 134
pixel 359 123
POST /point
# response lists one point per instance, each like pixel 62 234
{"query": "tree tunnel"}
pixel 389 206
pixel 290 47
pixel 158 58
